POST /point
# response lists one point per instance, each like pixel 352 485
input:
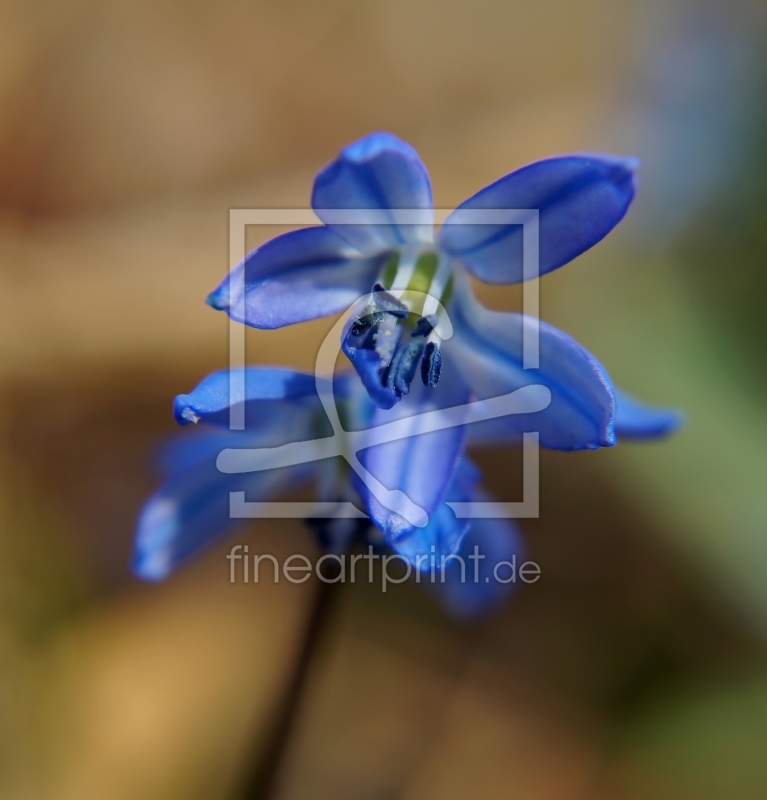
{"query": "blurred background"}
pixel 636 667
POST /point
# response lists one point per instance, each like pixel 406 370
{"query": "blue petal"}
pixel 637 420
pixel 581 198
pixel 191 508
pixel 380 172
pixel 466 594
pixel 444 532
pixel 295 277
pixel 210 400
pixel 422 466
pixel 487 349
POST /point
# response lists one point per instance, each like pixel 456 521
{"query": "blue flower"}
pixel 282 406
pixel 416 283
pixel 410 310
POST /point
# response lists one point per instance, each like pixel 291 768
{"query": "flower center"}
pixel 399 321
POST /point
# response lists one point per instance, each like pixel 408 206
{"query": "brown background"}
pixel 634 668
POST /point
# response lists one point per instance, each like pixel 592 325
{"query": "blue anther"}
pixel 431 365
pixel 423 327
pixel 365 321
pixel 400 373
pixel 388 302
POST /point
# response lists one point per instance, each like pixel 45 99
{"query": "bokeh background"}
pixel 636 667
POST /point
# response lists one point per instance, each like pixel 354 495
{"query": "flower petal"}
pixel 191 508
pixel 580 198
pixel 444 532
pixel 266 389
pixel 487 349
pixel 489 551
pixel 422 465
pixel 381 172
pixel 637 420
pixel 295 277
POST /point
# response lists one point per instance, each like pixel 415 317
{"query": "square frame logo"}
pixel 347 444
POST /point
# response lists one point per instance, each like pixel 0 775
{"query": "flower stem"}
pixel 263 781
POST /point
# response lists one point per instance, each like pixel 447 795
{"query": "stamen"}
pixel 381 326
pixel 388 302
pixel 390 270
pixel 364 322
pixel 424 326
pixel 438 286
pixel 423 274
pixel 405 268
pixel 400 374
pixel 385 338
pixel 431 365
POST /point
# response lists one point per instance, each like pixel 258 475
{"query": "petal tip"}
pixel 372 145
pixel 617 170
pixel 216 300
pixel 621 171
pixel 629 168
pixel 183 412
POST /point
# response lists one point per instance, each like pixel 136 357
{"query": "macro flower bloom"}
pixel 409 310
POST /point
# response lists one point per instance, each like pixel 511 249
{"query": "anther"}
pixel 431 365
pixel 365 322
pixel 400 374
pixel 384 338
pixel 387 302
pixel 423 327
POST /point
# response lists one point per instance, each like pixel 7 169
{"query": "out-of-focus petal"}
pixel 444 532
pixel 268 390
pixel 191 508
pixel 487 349
pixel 379 172
pixel 580 199
pixel 491 549
pixel 295 277
pixel 422 465
pixel 637 420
